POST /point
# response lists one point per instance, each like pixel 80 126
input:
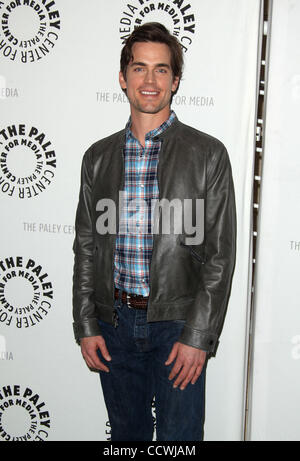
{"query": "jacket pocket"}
pixel 199 256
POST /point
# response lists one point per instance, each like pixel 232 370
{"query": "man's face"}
pixel 149 80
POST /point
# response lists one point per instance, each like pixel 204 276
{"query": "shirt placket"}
pixel 143 165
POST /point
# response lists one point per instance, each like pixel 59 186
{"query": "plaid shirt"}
pixel 134 240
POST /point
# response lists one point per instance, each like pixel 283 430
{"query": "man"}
pixel 149 305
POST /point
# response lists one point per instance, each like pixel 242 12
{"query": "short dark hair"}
pixel 153 32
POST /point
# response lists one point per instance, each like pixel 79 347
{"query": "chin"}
pixel 151 109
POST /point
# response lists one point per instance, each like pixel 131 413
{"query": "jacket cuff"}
pixel 88 327
pixel 201 340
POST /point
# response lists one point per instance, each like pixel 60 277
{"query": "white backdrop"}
pixel 275 410
pixel 59 93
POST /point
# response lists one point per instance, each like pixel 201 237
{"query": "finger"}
pixel 188 378
pixel 96 363
pixel 172 354
pixel 91 357
pixel 176 369
pixel 104 351
pixel 87 361
pixel 182 376
pixel 197 374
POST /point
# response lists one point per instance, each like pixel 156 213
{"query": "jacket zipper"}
pixel 154 224
pixel 121 186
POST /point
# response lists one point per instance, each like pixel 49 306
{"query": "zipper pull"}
pixel 115 318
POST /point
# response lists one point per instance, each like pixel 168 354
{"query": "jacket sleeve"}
pixel 85 321
pixel 205 318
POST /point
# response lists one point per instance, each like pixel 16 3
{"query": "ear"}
pixel 175 84
pixel 122 81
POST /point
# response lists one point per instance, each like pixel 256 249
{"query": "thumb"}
pixel 103 349
pixel 173 354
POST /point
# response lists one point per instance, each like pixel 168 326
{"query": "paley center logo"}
pixel 26 292
pixel 153 216
pixel 29 29
pixel 27 161
pixel 176 15
pixel 23 415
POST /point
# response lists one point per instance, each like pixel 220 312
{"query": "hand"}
pixel 89 346
pixel 189 360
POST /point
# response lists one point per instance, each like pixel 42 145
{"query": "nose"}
pixel 150 76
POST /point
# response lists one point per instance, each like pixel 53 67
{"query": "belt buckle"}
pixel 128 301
pixel 132 295
pixel 128 296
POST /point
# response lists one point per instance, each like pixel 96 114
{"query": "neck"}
pixel 142 123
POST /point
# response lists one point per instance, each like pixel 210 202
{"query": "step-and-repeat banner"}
pixel 275 409
pixel 59 93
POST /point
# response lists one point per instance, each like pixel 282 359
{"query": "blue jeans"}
pixel 138 373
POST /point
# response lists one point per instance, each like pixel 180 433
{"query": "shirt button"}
pixel 141 185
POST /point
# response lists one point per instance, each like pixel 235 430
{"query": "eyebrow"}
pixel 162 64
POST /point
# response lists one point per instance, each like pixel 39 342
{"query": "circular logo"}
pixel 26 293
pixel 177 16
pixel 29 29
pixel 23 415
pixel 27 161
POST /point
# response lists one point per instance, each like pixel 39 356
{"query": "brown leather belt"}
pixel 133 300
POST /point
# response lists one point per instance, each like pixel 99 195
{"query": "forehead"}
pixel 151 53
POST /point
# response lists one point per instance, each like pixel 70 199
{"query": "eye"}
pixel 162 70
pixel 138 69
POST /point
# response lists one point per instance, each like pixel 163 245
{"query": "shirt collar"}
pixel 156 132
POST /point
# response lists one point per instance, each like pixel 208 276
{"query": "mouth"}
pixel 149 93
